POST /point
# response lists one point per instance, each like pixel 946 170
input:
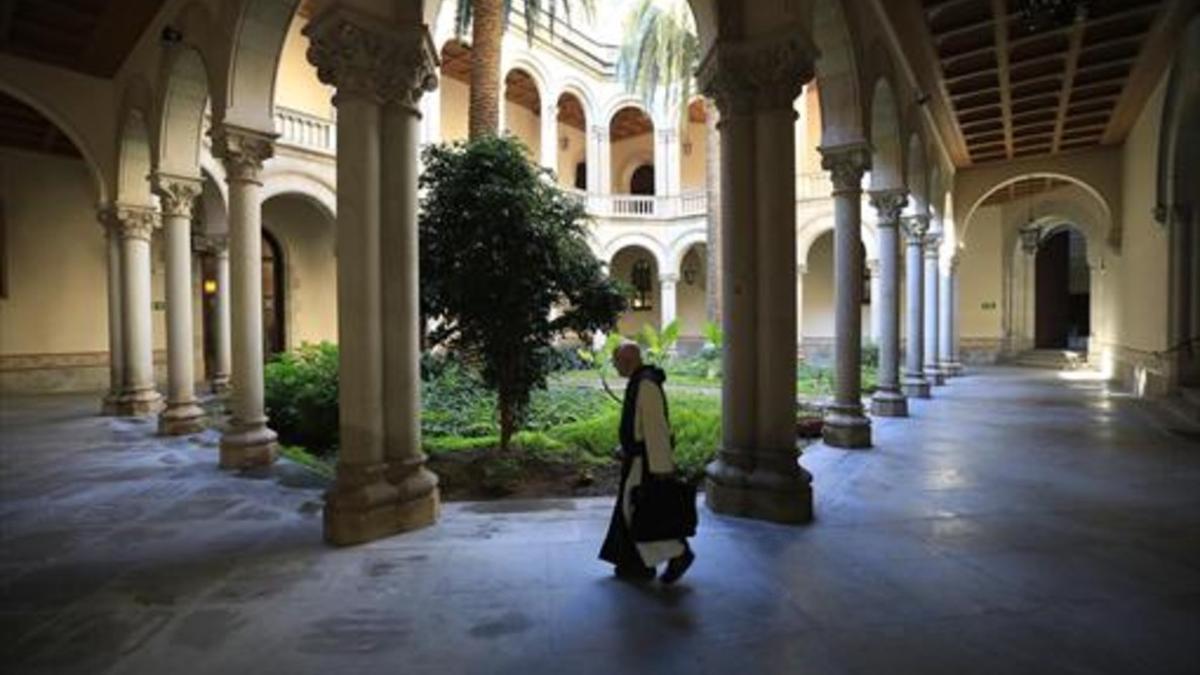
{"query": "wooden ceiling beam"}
pixel 1064 97
pixel 1000 24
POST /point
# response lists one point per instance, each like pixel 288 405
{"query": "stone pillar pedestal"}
pixel 136 224
pixel 914 384
pixel 756 473
pixel 888 401
pixel 182 414
pixel 845 424
pixel 116 347
pixel 383 486
pixel 933 372
pixel 248 441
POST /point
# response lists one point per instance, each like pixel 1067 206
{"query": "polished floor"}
pixel 1018 523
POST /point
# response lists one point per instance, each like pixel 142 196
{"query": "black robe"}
pixel 619 546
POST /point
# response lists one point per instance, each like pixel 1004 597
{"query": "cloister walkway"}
pixel 1019 522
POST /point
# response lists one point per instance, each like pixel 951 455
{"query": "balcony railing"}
pixel 691 203
pixel 306 131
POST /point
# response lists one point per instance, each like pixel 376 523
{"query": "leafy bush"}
pixel 301 393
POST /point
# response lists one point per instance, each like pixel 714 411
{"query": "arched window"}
pixel 581 176
pixel 642 181
pixel 642 279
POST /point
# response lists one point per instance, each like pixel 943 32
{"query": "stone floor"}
pixel 1019 523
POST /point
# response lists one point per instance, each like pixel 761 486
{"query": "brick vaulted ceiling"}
pixel 1012 85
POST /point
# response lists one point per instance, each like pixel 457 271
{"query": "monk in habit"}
pixel 645 435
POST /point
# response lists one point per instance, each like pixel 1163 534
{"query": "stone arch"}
pixel 837 74
pixel 312 190
pixel 635 239
pixel 134 160
pixel 887 161
pixel 682 244
pixel 185 93
pixel 620 102
pixel 257 29
pixel 531 65
pixel 582 91
pixel 89 153
pixel 1104 210
pixel 810 230
pixel 916 175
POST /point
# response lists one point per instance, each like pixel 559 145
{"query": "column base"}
pixel 889 404
pixel 915 386
pixel 952 368
pixel 138 403
pixel 356 513
pixel 847 428
pixel 777 496
pixel 935 377
pixel 181 419
pixel 219 385
pixel 111 405
pixel 248 448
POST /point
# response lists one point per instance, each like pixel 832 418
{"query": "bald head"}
pixel 627 358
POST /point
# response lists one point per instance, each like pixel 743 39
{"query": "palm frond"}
pixel 659 51
pixel 533 11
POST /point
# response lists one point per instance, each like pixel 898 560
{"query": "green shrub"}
pixel 301 394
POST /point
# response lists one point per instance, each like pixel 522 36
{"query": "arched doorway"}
pixel 632 134
pixel 523 111
pixel 636 269
pixel 1062 314
pixel 273 277
pixel 642 181
pixel 572 142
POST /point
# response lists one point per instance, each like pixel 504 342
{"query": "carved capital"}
pixel 176 194
pixel 933 241
pixel 668 279
pixel 1030 238
pixel 600 133
pixel 131 222
pixel 363 59
pixel 846 165
pixel 243 151
pixel 761 74
pixel 888 204
pixel 915 228
pixel 667 135
pixel 212 244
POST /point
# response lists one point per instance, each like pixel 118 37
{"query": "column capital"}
pixel 365 58
pixel 176 194
pixel 1178 214
pixel 668 135
pixel 932 242
pixel 873 266
pixel 131 222
pixel 915 227
pixel 668 278
pixel 600 133
pixel 242 150
pixel 846 164
pixel 888 204
pixel 215 244
pixel 766 73
pixel 801 269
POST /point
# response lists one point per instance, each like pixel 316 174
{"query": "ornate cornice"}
pixel 915 227
pixel 888 204
pixel 846 164
pixel 176 194
pixel 243 151
pixel 131 222
pixel 363 59
pixel 766 73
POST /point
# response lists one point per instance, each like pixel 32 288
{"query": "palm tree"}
pixel 659 55
pixel 487 20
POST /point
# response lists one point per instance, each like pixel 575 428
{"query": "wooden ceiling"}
pixel 629 122
pixel 1021 85
pixel 1020 189
pixel 23 127
pixel 89 36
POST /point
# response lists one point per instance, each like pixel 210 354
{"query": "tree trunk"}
pixel 712 179
pixel 487 30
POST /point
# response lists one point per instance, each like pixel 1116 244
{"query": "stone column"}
pixel 873 269
pixel 947 319
pixel 248 441
pixel 431 124
pixel 380 72
pixel 667 298
pixel 801 270
pixel 136 225
pixel 756 473
pixel 667 167
pixel 933 372
pixel 1027 335
pixel 956 324
pixel 223 353
pixel 177 196
pixel 116 347
pixel 549 136
pixel 599 161
pixel 845 424
pixel 888 401
pixel 915 385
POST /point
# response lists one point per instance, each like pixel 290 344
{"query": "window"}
pixel 642 181
pixel 581 176
pixel 642 278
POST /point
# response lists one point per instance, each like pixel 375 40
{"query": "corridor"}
pixel 1018 522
